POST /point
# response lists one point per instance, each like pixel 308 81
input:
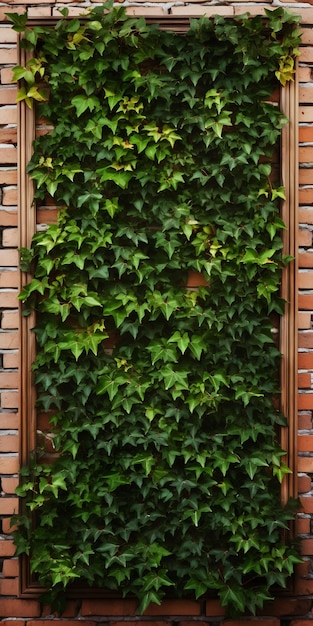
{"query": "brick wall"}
pixel 291 609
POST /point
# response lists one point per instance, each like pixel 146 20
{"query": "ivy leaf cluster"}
pixel 167 470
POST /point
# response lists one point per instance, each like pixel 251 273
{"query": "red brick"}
pixel 8 94
pixel 9 443
pixel 8 217
pixel 11 360
pixel 71 610
pixel 304 484
pixel 9 421
pixel 305 401
pixel 305 421
pixel 10 238
pixel 9 464
pixel 53 622
pixel 305 339
pixel 9 587
pixel 6 76
pixel 9 484
pixel 305 279
pixel 10 319
pixel 8 115
pixel 11 569
pixel 307 507
pixel 286 606
pixel 303 526
pixel 305 443
pixel 303 587
pixel 303 622
pixel 175 607
pixel 305 360
pixel 305 301
pixel 9 197
pixel 19 608
pixel 306 546
pixel 305 197
pixel 9 340
pixel 304 320
pixel 304 381
pixel 7 548
pixel 9 258
pixel 306 260
pixel 8 506
pixel 305 235
pixel 258 621
pixel 7 526
pixel 108 607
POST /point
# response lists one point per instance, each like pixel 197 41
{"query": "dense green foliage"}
pixel 168 468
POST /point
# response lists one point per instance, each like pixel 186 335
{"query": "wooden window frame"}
pixel 289 167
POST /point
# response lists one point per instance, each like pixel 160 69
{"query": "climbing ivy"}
pixel 160 396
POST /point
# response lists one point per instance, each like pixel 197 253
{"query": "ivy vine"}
pixel 168 464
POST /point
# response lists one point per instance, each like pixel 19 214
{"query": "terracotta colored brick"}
pixel 8 506
pixel 8 135
pixel 10 360
pixel 305 443
pixel 9 258
pixel 9 587
pixel 10 319
pixel 307 507
pixel 8 94
pixel 304 320
pixel 305 401
pixel 303 526
pixel 8 114
pixel 10 238
pixel 196 10
pixel 108 607
pixel 305 197
pixel 305 360
pixel 9 340
pixel 8 177
pixel 10 569
pixel 306 112
pixel 305 279
pixel 9 484
pixel 7 35
pixel 306 260
pixel 305 421
pixel 7 526
pixel 6 76
pixel 9 464
pixel 71 610
pixel 8 217
pixel 306 133
pixel 7 548
pixel 305 301
pixel 304 484
pixel 19 608
pixel 9 196
pixel 9 55
pixel 305 236
pixel 304 381
pixel 9 279
pixel 306 55
pixel 73 11
pixel 9 443
pixel 306 154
